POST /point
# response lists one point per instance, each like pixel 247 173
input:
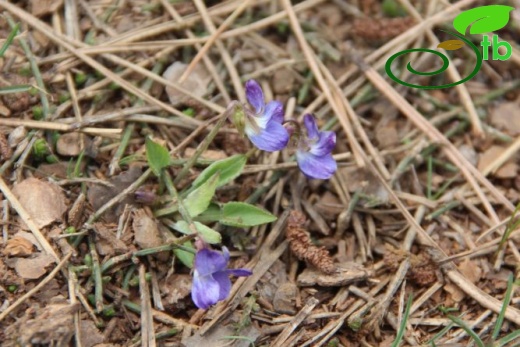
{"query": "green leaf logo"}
pixel 482 19
pixel 451 45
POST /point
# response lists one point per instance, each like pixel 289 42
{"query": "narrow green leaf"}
pixel 505 304
pixel 15 89
pixel 9 39
pixel 208 235
pixel 483 19
pixel 404 321
pixel 198 200
pixel 157 156
pixel 240 214
pixel 505 341
pixel 229 169
pixel 185 257
pixel 467 329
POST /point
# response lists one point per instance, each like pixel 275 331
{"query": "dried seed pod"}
pixel 302 246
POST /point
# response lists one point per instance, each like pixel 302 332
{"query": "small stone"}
pixel 196 82
pixel 70 144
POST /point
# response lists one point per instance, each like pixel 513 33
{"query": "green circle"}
pixel 440 70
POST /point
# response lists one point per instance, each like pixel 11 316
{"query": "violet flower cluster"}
pixel 263 125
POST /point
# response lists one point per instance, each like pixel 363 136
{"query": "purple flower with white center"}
pixel 263 124
pixel 314 151
pixel 211 281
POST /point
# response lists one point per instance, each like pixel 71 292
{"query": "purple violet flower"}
pixel 263 124
pixel 211 281
pixel 314 151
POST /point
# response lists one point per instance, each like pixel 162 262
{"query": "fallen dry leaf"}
pixel 470 270
pixel 44 201
pixel 90 335
pixel 51 326
pixel 18 247
pixel 146 230
pixel 29 237
pixel 508 170
pixel 174 288
pixel 41 8
pixel 33 268
pixel 106 241
pixel 284 298
pixel 196 82
pixel 505 117
pixel 456 294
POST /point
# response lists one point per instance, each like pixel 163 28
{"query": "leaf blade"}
pixel 198 200
pixel 157 156
pixel 206 233
pixel 229 169
pixel 240 214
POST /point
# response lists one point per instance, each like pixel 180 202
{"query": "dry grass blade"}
pixel 469 171
pixel 64 42
pixel 294 323
pixel 214 36
pixel 147 330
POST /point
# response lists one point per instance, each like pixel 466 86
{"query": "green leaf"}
pixel 229 169
pixel 9 39
pixel 198 200
pixel 208 235
pixel 483 19
pixel 19 88
pixel 240 214
pixel 185 257
pixel 212 214
pixel 157 156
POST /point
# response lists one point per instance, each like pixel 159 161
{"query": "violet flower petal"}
pixel 273 138
pixel 274 110
pixel 205 290
pixel 320 167
pixel 224 284
pixel 325 144
pixel 311 126
pixel 255 95
pixel 208 262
